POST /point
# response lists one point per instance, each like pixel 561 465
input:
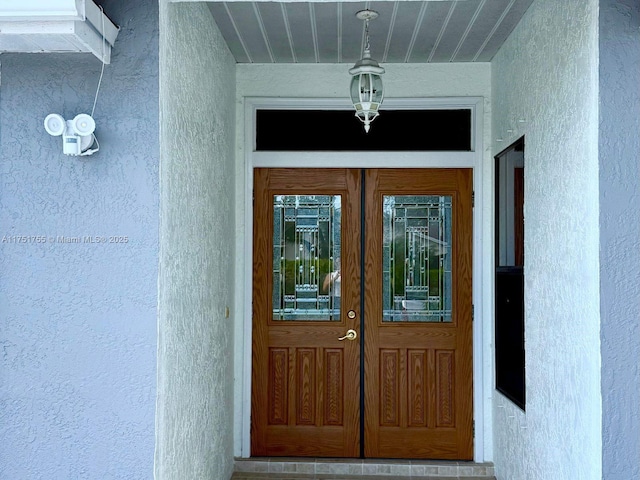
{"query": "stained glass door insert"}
pixel 416 258
pixel 306 257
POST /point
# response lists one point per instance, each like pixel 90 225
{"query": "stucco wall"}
pixel 195 367
pixel 332 81
pixel 619 150
pixel 78 320
pixel 546 76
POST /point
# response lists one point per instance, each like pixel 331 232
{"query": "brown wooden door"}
pixel 417 314
pixel 418 330
pixel 305 382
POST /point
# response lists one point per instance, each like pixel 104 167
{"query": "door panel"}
pixel 418 332
pixel 305 381
pixel 417 313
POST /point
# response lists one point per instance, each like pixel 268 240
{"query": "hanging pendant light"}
pixel 366 83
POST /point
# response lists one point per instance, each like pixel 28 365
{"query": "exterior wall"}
pixel 619 150
pixel 332 81
pixel 78 320
pixel 195 367
pixel 546 75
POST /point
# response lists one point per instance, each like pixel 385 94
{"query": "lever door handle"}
pixel 351 335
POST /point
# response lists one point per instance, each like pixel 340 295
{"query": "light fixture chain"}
pixel 366 33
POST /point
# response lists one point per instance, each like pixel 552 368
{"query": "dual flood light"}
pixel 77 134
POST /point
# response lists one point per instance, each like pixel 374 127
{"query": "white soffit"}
pixel 46 26
pixel 420 31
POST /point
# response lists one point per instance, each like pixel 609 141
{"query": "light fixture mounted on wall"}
pixel 366 83
pixel 77 134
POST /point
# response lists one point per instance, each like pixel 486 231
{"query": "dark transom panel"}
pixel 340 130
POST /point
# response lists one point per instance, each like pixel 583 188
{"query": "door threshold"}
pixel 355 468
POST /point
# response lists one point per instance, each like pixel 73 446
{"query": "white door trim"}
pixel 482 294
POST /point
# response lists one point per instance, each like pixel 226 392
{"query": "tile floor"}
pixel 356 469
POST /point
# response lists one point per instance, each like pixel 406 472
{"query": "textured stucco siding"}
pixel 78 320
pixel 195 364
pixel 619 150
pixel 332 81
pixel 545 87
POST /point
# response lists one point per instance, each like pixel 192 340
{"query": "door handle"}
pixel 351 335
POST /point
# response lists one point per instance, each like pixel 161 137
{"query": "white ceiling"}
pixel 329 32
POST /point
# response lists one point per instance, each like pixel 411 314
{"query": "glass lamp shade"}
pixel 366 89
pixel 366 96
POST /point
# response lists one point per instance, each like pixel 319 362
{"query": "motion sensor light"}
pixel 77 134
pixel 83 124
pixel 54 124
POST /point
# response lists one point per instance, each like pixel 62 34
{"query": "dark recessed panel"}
pixel 509 331
pixel 340 130
pixel 509 279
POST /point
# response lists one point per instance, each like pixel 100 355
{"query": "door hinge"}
pixel 474 429
pixel 473 312
pixel 473 199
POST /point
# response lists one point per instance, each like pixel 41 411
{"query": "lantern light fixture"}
pixel 366 83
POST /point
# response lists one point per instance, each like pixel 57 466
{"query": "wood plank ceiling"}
pixel 329 32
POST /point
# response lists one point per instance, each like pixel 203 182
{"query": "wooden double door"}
pixel 362 313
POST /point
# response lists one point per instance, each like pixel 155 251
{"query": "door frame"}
pixel 476 159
